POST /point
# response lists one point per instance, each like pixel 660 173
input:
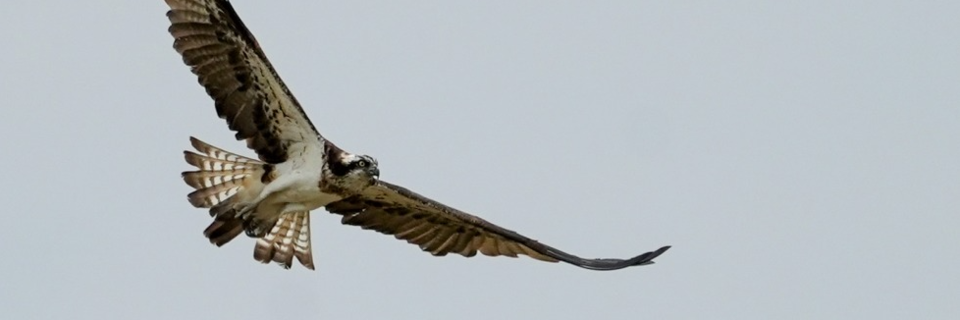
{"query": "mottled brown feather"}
pixel 439 229
pixel 252 98
pixel 247 91
pixel 223 229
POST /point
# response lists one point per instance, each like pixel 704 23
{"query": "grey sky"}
pixel 800 156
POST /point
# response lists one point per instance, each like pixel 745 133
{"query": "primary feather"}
pixel 299 170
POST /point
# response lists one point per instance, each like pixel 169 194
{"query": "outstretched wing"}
pixel 248 93
pixel 439 229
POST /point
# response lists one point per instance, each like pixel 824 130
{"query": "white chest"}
pixel 297 190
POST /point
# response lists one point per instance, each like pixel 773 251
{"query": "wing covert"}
pixel 439 229
pixel 248 92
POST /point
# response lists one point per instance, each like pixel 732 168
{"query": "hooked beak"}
pixel 375 172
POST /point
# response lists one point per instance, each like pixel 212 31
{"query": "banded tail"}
pixel 290 237
pixel 222 178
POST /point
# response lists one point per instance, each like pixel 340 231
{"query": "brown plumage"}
pixel 439 229
pixel 298 171
pixel 246 89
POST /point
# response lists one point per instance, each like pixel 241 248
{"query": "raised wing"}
pixel 237 75
pixel 439 229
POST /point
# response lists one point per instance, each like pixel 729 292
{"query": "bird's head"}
pixel 355 172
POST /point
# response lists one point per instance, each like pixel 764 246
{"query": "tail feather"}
pixel 290 237
pixel 211 196
pixel 206 179
pixel 223 181
pixel 222 174
pixel 223 229
pixel 220 154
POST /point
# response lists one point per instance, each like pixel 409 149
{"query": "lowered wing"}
pixel 439 229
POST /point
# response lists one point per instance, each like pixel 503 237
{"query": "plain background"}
pixel 800 156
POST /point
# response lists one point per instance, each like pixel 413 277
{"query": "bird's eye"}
pixel 362 163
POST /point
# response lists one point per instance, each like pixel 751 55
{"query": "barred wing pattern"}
pixel 247 91
pixel 256 104
pixel 439 229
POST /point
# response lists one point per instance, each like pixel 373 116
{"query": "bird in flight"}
pixel 298 170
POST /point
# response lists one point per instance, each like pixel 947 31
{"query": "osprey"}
pixel 298 170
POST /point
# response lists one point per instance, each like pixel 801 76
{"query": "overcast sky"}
pixel 800 156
